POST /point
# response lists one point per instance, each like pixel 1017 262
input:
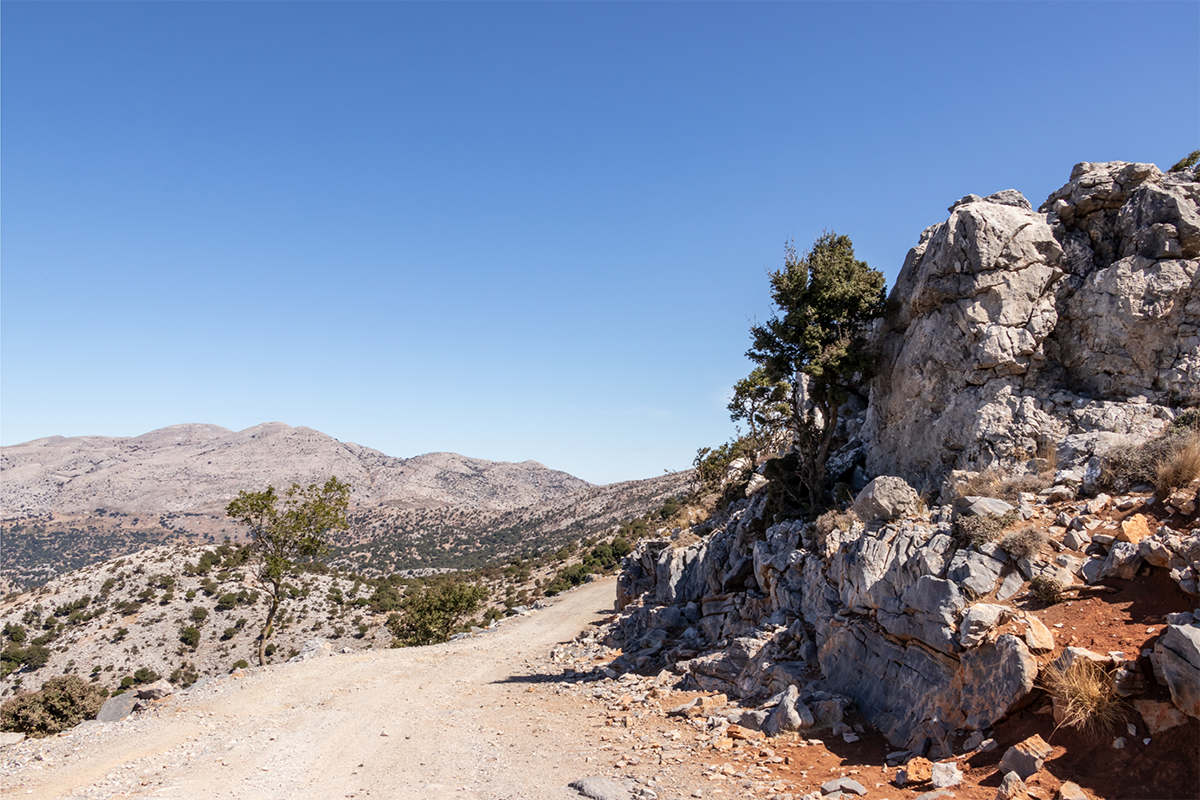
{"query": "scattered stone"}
pixel 918 770
pixel 982 507
pixel 1026 757
pixel 118 708
pixel 1119 743
pixel 1071 791
pixel 1133 529
pixel 847 785
pixel 946 774
pixel 1159 716
pixel 1176 660
pixel 598 787
pixel 156 691
pixel 1038 637
pixel 1012 787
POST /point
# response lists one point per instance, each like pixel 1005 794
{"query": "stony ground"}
pixel 518 712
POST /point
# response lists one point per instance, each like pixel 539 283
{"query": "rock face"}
pixel 1078 324
pixel 1011 329
pixel 875 619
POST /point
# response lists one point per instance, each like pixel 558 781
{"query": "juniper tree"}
pixel 816 341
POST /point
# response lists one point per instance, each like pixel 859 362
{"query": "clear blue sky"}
pixel 513 231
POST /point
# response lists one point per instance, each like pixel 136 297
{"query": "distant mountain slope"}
pixel 70 502
pixel 198 468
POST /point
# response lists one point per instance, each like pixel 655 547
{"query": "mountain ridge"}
pixel 198 467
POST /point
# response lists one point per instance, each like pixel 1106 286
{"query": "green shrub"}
pixel 145 675
pixel 429 616
pixel 190 636
pixel 199 614
pixel 240 664
pixel 62 703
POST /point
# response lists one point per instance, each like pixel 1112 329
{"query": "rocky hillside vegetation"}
pixel 72 502
pixel 1018 552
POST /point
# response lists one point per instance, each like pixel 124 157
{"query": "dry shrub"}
pixel 978 530
pixel 833 520
pixel 1181 467
pixel 1152 462
pixel 993 482
pixel 1024 543
pixel 1046 590
pixel 62 703
pixel 1086 695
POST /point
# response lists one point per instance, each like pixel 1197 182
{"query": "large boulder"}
pixel 886 497
pixel 1176 660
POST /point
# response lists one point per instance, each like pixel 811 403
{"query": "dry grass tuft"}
pixel 1024 543
pixel 996 483
pixel 1181 467
pixel 1086 697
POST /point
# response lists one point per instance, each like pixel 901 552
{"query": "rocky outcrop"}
pixel 1076 324
pixel 1014 336
pixel 877 619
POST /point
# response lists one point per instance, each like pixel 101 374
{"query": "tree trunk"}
pixel 266 631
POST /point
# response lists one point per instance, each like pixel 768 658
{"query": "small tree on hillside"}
pixel 816 341
pixel 287 529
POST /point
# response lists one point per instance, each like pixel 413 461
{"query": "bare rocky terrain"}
pixel 70 502
pixel 196 468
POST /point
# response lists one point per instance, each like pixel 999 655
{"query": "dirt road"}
pixel 449 721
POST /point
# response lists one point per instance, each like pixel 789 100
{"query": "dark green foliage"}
pixel 62 703
pixel 199 614
pixel 286 530
pixel 567 578
pixel 1187 162
pixel 1185 422
pixel 430 615
pixel 190 636
pixel 184 676
pixel 14 633
pixel 763 404
pixel 241 663
pixel 713 465
pixel 145 675
pixel 670 508
pixel 816 341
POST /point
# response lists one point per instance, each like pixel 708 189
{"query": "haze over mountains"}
pixel 198 468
